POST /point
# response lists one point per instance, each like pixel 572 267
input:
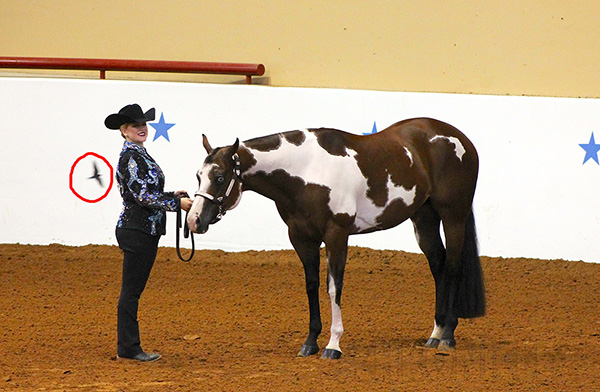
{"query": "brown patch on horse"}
pixel 385 161
pixel 247 160
pixel 265 143
pixel 332 140
pixel 273 142
pixel 296 200
pixel 295 137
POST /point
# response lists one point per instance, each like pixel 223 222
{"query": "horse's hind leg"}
pixel 460 290
pixel 463 280
pixel 426 223
pixel 454 231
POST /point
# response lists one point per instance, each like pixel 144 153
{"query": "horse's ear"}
pixel 206 144
pixel 234 147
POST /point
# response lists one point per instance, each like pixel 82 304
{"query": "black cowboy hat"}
pixel 129 114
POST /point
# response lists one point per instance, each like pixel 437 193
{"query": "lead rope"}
pixel 186 233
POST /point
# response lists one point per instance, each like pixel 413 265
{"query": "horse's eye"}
pixel 220 179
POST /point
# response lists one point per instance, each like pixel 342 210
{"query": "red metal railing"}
pixel 104 65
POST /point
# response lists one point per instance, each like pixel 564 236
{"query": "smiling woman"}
pixel 141 223
pixel 135 133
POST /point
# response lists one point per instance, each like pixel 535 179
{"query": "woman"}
pixel 141 223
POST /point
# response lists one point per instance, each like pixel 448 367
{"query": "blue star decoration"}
pixel 591 150
pixel 374 129
pixel 162 128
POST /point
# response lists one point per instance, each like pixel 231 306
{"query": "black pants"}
pixel 139 253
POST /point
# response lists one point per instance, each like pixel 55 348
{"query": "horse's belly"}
pixel 370 217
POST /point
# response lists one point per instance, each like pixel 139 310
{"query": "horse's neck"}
pixel 254 161
pixel 254 167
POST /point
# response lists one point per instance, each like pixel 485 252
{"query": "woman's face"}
pixel 136 133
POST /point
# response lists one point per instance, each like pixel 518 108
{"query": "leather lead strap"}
pixel 186 232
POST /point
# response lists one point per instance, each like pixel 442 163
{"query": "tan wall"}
pixel 516 47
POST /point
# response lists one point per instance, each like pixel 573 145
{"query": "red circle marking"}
pixel 109 185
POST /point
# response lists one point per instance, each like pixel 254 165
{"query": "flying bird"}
pixel 97 175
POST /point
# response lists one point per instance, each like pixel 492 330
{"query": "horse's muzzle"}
pixel 196 224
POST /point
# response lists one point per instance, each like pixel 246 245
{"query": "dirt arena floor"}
pixel 234 322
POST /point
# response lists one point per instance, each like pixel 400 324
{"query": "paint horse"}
pixel 328 184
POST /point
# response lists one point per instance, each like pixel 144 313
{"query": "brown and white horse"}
pixel 328 184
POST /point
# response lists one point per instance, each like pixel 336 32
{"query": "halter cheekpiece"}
pixel 220 200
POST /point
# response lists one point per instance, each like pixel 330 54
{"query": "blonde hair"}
pixel 122 128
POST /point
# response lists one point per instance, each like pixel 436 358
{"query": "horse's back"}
pixel 379 179
pixel 422 151
pixel 423 130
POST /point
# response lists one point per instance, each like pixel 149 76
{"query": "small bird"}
pixel 97 175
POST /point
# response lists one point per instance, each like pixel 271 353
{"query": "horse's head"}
pixel 219 186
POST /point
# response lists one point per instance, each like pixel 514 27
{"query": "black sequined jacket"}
pixel 141 183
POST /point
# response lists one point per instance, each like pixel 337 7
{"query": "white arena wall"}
pixel 535 196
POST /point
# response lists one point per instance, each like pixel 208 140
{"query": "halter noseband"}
pixel 220 200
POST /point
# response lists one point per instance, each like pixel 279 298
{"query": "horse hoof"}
pixel 446 344
pixel 330 353
pixel 432 343
pixel 306 351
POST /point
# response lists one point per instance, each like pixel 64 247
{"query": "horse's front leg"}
pixel 308 252
pixel 336 242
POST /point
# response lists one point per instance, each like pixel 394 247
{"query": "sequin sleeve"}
pixel 144 181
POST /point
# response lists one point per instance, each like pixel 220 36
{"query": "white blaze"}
pixel 198 200
pixel 203 175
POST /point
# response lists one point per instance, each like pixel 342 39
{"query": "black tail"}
pixel 471 289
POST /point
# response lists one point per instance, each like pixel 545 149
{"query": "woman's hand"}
pixel 184 199
pixel 186 203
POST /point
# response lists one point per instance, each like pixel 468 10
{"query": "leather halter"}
pixel 220 200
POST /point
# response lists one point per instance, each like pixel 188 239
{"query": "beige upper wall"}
pixel 516 47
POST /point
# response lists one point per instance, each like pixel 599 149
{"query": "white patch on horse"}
pixel 313 164
pixel 399 192
pixel 458 147
pixel 437 331
pixel 409 155
pixel 337 327
pixel 203 174
pixel 341 174
pixel 416 232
